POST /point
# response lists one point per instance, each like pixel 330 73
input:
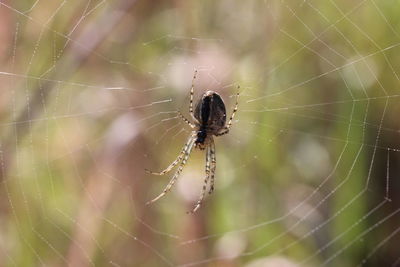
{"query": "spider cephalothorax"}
pixel 209 120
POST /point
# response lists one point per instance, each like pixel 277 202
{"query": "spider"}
pixel 209 118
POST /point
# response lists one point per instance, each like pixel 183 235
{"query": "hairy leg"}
pixel 213 166
pixel 177 173
pixel 185 120
pixel 203 190
pixel 191 95
pixel 177 160
pixel 225 130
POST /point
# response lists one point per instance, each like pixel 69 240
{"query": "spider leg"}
pixel 191 95
pixel 213 166
pixel 176 161
pixel 185 120
pixel 225 130
pixel 203 190
pixel 177 173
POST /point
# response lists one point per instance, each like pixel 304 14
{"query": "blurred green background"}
pixel 308 175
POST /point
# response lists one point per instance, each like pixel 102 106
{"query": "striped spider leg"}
pixel 210 173
pixel 183 156
pixel 226 129
pixel 191 96
pixel 213 166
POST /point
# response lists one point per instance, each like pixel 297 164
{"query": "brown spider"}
pixel 209 119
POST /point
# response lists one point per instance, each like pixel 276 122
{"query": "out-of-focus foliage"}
pixel 307 175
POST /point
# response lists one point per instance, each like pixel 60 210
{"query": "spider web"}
pixel 307 175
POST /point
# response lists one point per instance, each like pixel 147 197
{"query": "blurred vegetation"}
pixel 307 176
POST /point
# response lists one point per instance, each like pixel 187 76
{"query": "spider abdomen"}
pixel 210 113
